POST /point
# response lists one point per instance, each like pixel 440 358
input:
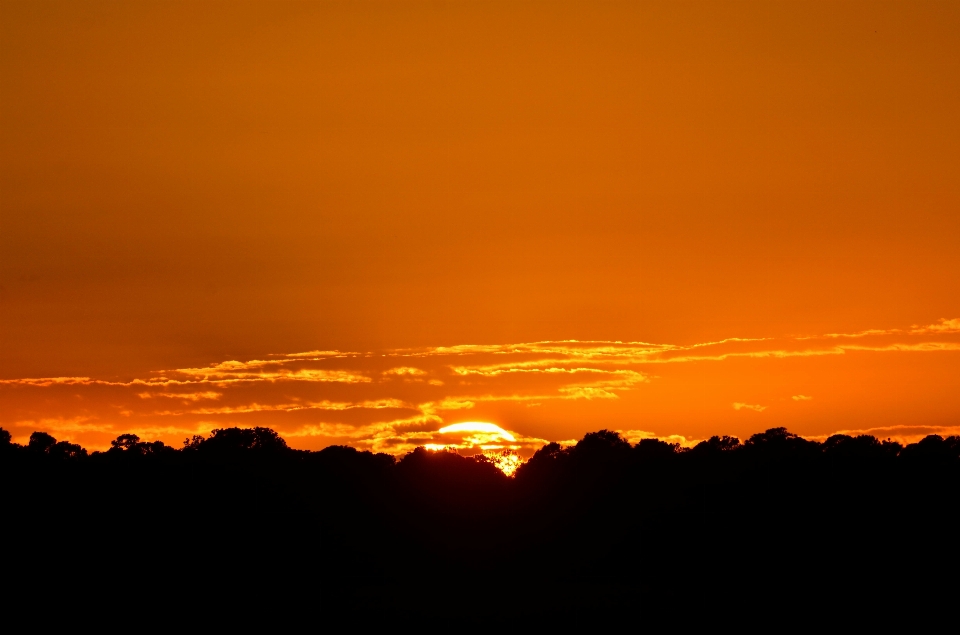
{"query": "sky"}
pixel 358 223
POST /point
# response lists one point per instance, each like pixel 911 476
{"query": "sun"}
pixel 480 427
pixel 497 445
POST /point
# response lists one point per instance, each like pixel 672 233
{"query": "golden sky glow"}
pixel 897 383
pixel 671 219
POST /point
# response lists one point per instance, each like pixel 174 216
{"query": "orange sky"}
pixel 186 184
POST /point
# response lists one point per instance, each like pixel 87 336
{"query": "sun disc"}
pixel 478 426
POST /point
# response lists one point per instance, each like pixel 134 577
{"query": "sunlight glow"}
pixel 507 461
pixel 488 437
pixel 478 426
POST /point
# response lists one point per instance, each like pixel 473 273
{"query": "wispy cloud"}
pixel 315 354
pixel 801 398
pixel 188 396
pixel 942 326
pixel 408 371
pixel 745 406
pixel 864 333
pixel 49 381
pixel 377 404
pixel 260 370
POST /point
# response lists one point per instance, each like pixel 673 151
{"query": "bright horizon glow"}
pixel 477 426
pixel 478 435
pixel 547 391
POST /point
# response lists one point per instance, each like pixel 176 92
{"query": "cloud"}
pixel 921 347
pixel 405 370
pixel 863 333
pixel 189 396
pixel 255 371
pixel 61 424
pixel 50 381
pixel 376 404
pixel 315 354
pixel 942 326
pixel 745 406
pixel 587 392
pixel 801 398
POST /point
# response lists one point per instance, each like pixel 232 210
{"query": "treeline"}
pixel 261 442
pixel 599 524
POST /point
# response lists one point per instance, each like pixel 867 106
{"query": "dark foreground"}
pixel 603 528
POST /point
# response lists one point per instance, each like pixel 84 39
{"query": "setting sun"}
pixel 486 437
pixel 494 431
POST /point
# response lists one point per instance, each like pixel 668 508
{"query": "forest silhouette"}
pixel 777 520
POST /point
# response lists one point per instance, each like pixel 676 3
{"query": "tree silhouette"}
pixel 44 444
pixel 583 530
pixel 603 443
pixel 130 445
pixel 717 444
pixel 125 442
pixel 41 442
pixel 237 440
pixel 655 449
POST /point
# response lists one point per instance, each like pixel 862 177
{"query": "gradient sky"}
pixel 457 190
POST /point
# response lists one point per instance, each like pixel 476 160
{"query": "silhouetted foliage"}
pixel 41 442
pixel 125 442
pixel 234 440
pixel 45 444
pixel 655 449
pixel 602 523
pixel 346 459
pixel 602 445
pixel 779 442
pixel 130 445
pixel 717 444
